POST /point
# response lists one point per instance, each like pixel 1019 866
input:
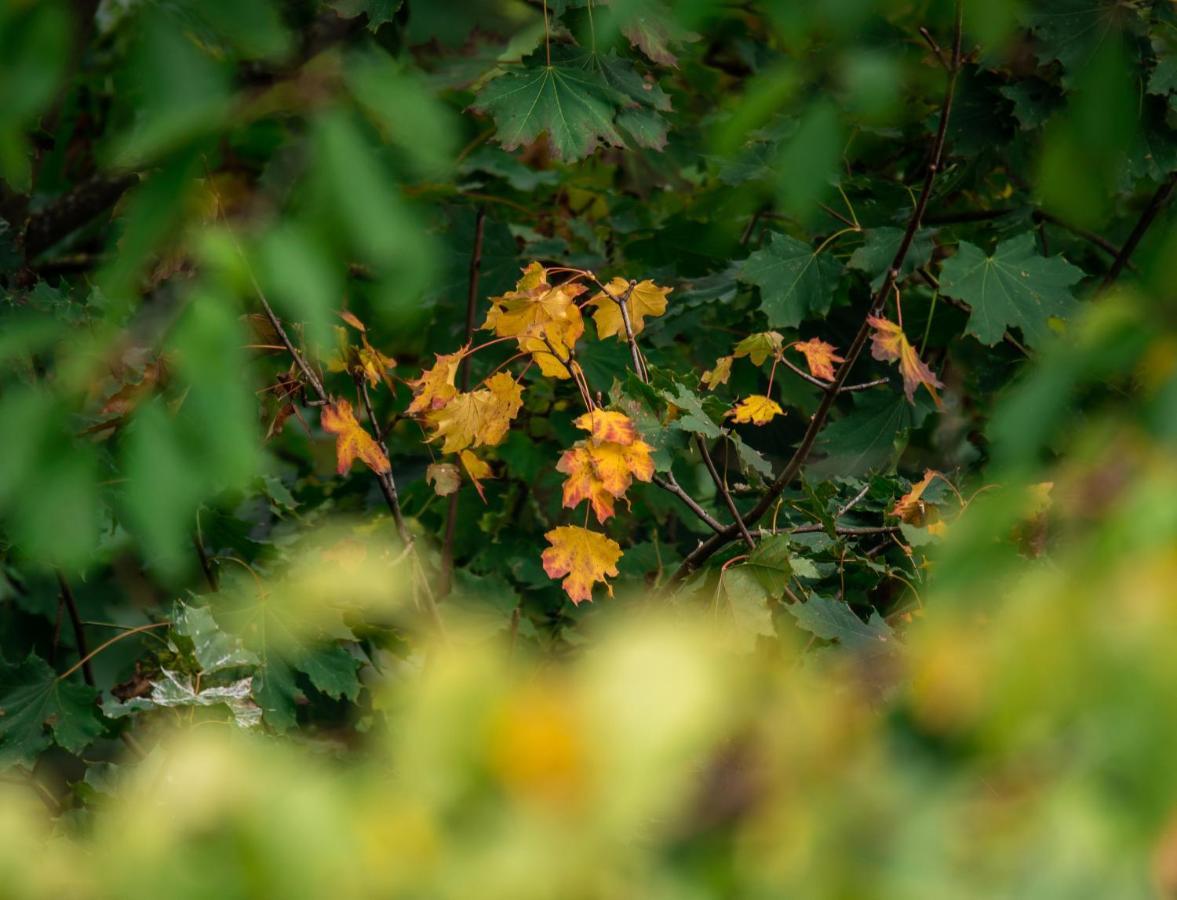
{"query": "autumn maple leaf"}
pixel 435 387
pixel 910 507
pixel 584 556
pixel 365 360
pixel 352 442
pixel 755 410
pixel 544 318
pixel 642 299
pixel 601 468
pixel 889 343
pixel 819 356
pixel 718 375
pixel 476 469
pixel 477 418
pixel 445 478
pixel 759 347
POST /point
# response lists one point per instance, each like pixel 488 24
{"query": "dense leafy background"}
pixel 993 649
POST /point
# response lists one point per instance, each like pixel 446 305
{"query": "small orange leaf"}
pixel 605 425
pixel 910 508
pixel 477 469
pixel 352 442
pixel 353 320
pixel 602 472
pixel 889 343
pixel 756 410
pixel 584 556
pixel 645 299
pixel 820 357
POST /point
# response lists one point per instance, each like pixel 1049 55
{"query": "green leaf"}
pixel 173 690
pixel 1073 31
pixel 572 106
pixel 653 29
pixel 1015 287
pixel 832 620
pixel 214 648
pixel 867 438
pixel 795 282
pixel 35 704
pixel 771 564
pixel 746 602
pixel 879 248
pixel 692 417
pixel 750 458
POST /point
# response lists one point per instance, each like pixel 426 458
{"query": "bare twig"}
pixel 825 385
pixel 1155 204
pixel 793 467
pixel 85 660
pixel 71 605
pixel 721 486
pixel 671 486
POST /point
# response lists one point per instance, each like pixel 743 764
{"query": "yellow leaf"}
pixel 584 556
pixel 820 357
pixel 759 347
pixel 352 442
pixel 444 477
pixel 756 410
pixel 713 378
pixel 477 418
pixel 605 425
pixel 889 343
pixel 353 320
pixel 645 299
pixel 600 472
pixel 373 364
pixel 582 483
pixel 551 345
pixel 435 388
pixel 477 469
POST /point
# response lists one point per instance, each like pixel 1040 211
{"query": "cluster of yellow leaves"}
pixel 888 344
pixel 642 299
pixel 544 318
pixel 713 378
pixel 435 388
pixel 601 468
pixel 352 441
pixel 478 418
pixel 584 556
pixel 755 410
pixel 819 356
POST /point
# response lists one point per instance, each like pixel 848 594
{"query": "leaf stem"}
pixel 84 661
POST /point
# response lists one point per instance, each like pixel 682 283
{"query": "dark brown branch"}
pixel 71 606
pixel 206 566
pixel 793 467
pixel 721 486
pixel 451 520
pixel 824 385
pixel 1155 204
pixel 71 211
pixel 671 486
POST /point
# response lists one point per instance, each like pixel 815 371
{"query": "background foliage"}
pixel 891 622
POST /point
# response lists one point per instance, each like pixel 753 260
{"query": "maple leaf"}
pixel 603 472
pixel 910 508
pixel 819 356
pixel 543 318
pixel 476 469
pixel 582 483
pixel 759 347
pixel 435 388
pixel 642 299
pixel 795 281
pixel 889 343
pixel 756 410
pixel 352 442
pixel 606 425
pixel 477 418
pixel 722 371
pixel 584 556
pixel 445 478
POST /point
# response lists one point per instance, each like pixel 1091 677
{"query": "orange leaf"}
pixel 476 469
pixel 889 343
pixel 582 483
pixel 435 387
pixel 820 357
pixel 584 556
pixel 910 508
pixel 756 410
pixel 605 425
pixel 713 378
pixel 601 468
pixel 645 299
pixel 352 442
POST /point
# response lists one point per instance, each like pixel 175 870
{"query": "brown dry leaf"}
pixel 888 344
pixel 584 557
pixel 713 378
pixel 759 347
pixel 645 299
pixel 755 410
pixel 820 357
pixel 444 477
pixel 352 442
pixel 910 508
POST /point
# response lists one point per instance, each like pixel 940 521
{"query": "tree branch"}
pixel 793 467
pixel 71 605
pixel 1155 204
pixel 721 486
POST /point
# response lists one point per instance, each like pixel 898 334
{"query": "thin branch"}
pixel 71 605
pixel 825 385
pixel 721 486
pixel 935 48
pixel 451 520
pixel 206 566
pixel 1155 204
pixel 793 467
pixel 85 660
pixel 671 486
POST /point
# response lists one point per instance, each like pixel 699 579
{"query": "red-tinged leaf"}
pixel 582 558
pixel 352 442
